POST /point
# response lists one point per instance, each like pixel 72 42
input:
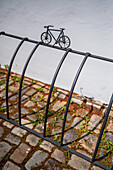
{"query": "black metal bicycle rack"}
pixel 85 57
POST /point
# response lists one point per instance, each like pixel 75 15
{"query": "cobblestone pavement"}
pixel 20 149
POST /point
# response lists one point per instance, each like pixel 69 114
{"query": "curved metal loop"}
pixel 52 85
pixel 22 77
pixel 8 75
pixel 103 127
pixel 71 92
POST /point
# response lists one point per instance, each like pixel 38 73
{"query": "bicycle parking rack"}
pixel 67 51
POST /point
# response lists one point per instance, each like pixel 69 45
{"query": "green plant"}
pixel 74 114
pixel 68 153
pixel 40 89
pixel 2 109
pixel 33 100
pixel 63 108
pixel 71 101
pixel 82 106
pixel 6 66
pixel 16 79
pixel 2 82
pixel 51 112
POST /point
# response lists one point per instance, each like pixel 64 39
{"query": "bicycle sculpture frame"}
pixel 62 40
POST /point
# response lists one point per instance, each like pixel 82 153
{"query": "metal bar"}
pixel 21 81
pixel 103 127
pixel 71 92
pixel 55 47
pixel 56 143
pixel 52 85
pixel 8 75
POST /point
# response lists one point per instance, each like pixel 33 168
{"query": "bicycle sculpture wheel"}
pixel 62 40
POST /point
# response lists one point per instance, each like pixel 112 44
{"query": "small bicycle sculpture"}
pixel 62 40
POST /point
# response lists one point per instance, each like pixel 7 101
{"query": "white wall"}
pixel 89 24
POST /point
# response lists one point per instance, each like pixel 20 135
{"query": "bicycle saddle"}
pixel 48 26
pixel 62 28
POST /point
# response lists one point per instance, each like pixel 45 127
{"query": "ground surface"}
pixel 20 149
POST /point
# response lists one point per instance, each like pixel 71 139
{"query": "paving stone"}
pixel 4 149
pixel 51 164
pixel 89 103
pixel 8 124
pixel 60 95
pixel 109 136
pixel 82 112
pixel 110 126
pixel 70 136
pixel 78 163
pixel 24 90
pixel 36 86
pixel 32 140
pixel 18 131
pixel 41 84
pixel 30 92
pixel 24 111
pixel 47 146
pixel 15 116
pixel 58 155
pixel 101 153
pixel 20 153
pixel 69 117
pixel 13 98
pixel 77 122
pixel 39 128
pixel 1 131
pixel 77 101
pixel 46 98
pixel 29 104
pixel 56 131
pixel 2 86
pixel 10 166
pixel 37 158
pixel 60 123
pixel 111 113
pixel 96 168
pixel 97 106
pixel 89 142
pixel 13 139
pixel 62 91
pixel 94 121
pixel 31 117
pixel 41 104
pixel 13 88
pixel 27 123
pixel 58 105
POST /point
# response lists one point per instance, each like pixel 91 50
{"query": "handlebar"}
pixel 48 26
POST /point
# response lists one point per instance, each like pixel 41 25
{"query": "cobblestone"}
pixel 89 142
pixel 13 139
pixel 9 125
pixel 18 131
pixel 47 146
pixel 1 131
pixel 10 166
pixel 4 149
pixel 58 155
pixel 58 105
pixel 78 163
pixel 29 104
pixel 20 153
pixel 27 123
pixel 32 140
pixel 37 158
